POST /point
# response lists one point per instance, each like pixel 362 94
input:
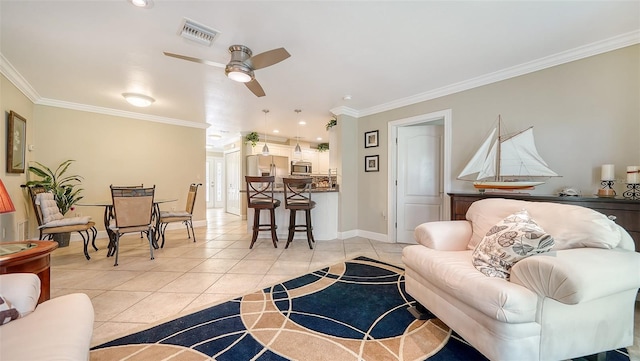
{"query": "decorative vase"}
pixel 62 239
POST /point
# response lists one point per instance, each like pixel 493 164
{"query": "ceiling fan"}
pixel 241 66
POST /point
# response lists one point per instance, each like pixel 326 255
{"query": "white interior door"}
pixel 215 183
pixel 218 187
pixel 419 189
pixel 232 177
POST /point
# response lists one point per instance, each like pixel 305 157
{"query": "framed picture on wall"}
pixel 371 163
pixel 371 139
pixel 16 142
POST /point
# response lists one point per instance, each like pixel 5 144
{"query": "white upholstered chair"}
pixel 576 300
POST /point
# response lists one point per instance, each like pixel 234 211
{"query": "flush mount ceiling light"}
pixel 147 4
pixel 138 100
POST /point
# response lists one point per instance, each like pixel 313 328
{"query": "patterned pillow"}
pixel 7 313
pixel 514 238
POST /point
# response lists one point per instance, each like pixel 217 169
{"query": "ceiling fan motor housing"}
pixel 239 62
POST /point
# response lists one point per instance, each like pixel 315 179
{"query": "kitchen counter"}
pixel 314 190
pixel 324 216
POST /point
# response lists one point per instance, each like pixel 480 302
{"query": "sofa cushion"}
pixel 509 241
pixel 571 226
pixel 59 329
pixel 7 312
pixel 453 273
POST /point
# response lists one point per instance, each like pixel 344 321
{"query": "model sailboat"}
pixel 507 162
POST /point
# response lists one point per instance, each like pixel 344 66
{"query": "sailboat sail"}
pixel 506 160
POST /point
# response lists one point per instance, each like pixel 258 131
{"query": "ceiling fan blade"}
pixel 268 58
pixel 255 88
pixel 195 60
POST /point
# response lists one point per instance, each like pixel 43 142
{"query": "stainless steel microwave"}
pixel 298 168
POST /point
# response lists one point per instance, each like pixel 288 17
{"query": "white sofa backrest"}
pixel 571 226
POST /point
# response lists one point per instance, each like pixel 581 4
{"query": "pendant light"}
pixel 297 150
pixel 265 149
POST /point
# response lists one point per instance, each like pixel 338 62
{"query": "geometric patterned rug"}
pixel 355 310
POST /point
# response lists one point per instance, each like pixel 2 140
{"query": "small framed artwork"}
pixel 16 142
pixel 371 163
pixel 371 139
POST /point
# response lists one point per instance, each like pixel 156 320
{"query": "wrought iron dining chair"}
pixel 52 222
pixel 297 197
pixel 185 216
pixel 259 197
pixel 132 213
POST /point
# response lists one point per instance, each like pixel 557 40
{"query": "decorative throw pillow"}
pixel 514 238
pixel 7 312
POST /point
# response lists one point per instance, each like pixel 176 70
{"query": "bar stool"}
pixel 259 197
pixel 297 197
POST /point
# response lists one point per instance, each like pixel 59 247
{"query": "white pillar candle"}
pixel 608 172
pixel 633 174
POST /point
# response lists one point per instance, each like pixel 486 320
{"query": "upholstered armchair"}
pixel 572 298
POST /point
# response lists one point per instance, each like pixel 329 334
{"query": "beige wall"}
pixel 12 99
pixel 585 114
pixel 108 150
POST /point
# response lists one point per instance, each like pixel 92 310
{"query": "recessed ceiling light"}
pixel 147 4
pixel 138 100
pixel 346 97
pixel 276 131
pixel 302 122
pixel 319 138
pixel 215 136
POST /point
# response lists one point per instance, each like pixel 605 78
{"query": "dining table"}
pixel 109 216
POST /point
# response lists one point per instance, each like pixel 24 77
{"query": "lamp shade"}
pixel 6 205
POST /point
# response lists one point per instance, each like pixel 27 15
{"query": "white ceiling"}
pixel 85 54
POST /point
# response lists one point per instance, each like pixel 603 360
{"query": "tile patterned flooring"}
pixel 186 276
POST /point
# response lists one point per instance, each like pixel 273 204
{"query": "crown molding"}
pixel 343 110
pixel 599 47
pixel 7 69
pixel 120 113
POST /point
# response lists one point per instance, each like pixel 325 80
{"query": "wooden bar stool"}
pixel 259 197
pixel 297 197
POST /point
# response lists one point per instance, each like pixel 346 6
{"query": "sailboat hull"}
pixel 505 185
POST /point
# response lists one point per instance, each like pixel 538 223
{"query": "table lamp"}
pixel 6 205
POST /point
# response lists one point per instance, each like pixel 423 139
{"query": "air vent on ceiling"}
pixel 199 33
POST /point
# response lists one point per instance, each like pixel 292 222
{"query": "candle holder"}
pixel 633 191
pixel 607 190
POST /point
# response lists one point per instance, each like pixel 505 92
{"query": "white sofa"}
pixel 56 330
pixel 578 299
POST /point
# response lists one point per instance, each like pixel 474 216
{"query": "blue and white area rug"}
pixel 356 310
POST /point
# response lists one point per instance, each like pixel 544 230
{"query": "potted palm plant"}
pixel 65 188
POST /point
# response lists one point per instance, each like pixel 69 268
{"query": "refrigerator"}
pixel 266 165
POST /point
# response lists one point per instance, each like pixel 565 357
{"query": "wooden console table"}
pixel 626 211
pixel 36 259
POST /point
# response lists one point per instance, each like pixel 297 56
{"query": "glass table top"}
pixel 15 248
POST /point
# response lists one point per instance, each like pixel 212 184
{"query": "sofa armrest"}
pixel 22 290
pixel 578 275
pixel 444 235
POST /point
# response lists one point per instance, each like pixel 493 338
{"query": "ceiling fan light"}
pixel 239 76
pixel 142 3
pixel 138 100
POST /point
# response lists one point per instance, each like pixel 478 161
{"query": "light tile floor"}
pixel 186 276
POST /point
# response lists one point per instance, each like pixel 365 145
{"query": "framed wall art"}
pixel 371 163
pixel 16 142
pixel 371 139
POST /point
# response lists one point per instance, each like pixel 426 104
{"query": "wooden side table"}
pixel 33 257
